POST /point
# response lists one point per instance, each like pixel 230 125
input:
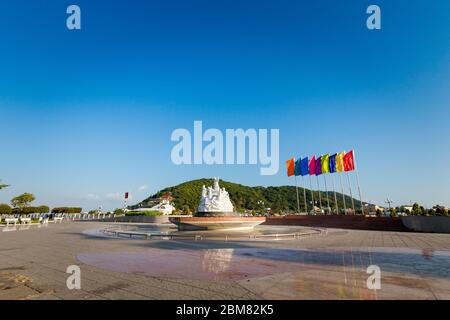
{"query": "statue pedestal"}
pixel 217 223
pixel 217 214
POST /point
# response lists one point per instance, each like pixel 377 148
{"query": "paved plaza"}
pixel 33 265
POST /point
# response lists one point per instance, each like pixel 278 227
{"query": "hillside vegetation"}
pixel 281 199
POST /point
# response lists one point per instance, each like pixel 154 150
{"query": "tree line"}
pixel 22 205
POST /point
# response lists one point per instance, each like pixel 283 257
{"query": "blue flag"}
pixel 332 163
pixel 304 167
pixel 297 169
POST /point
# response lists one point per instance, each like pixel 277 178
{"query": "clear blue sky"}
pixel 88 114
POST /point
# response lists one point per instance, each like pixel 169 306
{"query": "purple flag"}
pixel 319 166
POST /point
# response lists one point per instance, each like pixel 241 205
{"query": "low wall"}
pixel 138 219
pixel 427 224
pixel 340 221
pixel 404 224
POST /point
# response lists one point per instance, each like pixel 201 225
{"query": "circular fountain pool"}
pixel 169 232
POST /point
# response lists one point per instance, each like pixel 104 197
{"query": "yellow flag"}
pixel 340 162
pixel 325 163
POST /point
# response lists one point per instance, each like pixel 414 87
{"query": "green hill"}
pixel 186 197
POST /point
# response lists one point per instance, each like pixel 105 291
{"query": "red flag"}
pixel 290 166
pixel 349 162
pixel 312 166
pixel 126 195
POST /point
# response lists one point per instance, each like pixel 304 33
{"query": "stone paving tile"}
pixel 397 286
pixel 44 254
pixel 17 293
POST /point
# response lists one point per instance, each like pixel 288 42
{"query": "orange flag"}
pixel 290 166
pixel 340 162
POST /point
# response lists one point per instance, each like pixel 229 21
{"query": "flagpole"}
pixel 357 181
pixel 343 194
pixel 326 192
pixel 351 194
pixel 312 193
pixel 359 191
pixel 335 197
pixel 298 201
pixel 304 194
pixel 320 197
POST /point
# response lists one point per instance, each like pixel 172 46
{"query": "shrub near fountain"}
pixel 216 212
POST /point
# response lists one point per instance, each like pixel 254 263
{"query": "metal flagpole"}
pixel 343 194
pixel 326 192
pixel 304 194
pixel 335 197
pixel 359 191
pixel 320 197
pixel 357 181
pixel 312 194
pixel 298 201
pixel 351 194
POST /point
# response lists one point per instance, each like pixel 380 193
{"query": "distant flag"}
pixel 290 166
pixel 340 162
pixel 126 195
pixel 325 163
pixel 319 166
pixel 297 169
pixel 312 166
pixel 304 167
pixel 332 163
pixel 349 163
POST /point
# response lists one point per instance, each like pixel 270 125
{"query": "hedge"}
pixel 67 210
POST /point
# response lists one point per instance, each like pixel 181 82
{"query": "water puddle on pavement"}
pixel 245 263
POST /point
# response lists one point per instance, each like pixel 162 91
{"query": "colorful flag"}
pixel 297 168
pixel 312 166
pixel 332 163
pixel 304 167
pixel 340 162
pixel 325 164
pixel 290 166
pixel 349 163
pixel 319 166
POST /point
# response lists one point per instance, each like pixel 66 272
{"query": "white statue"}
pixel 215 199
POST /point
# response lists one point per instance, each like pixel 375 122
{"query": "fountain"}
pixel 216 212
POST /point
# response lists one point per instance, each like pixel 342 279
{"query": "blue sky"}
pixel 87 115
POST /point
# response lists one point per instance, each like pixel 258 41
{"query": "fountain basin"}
pixel 216 223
